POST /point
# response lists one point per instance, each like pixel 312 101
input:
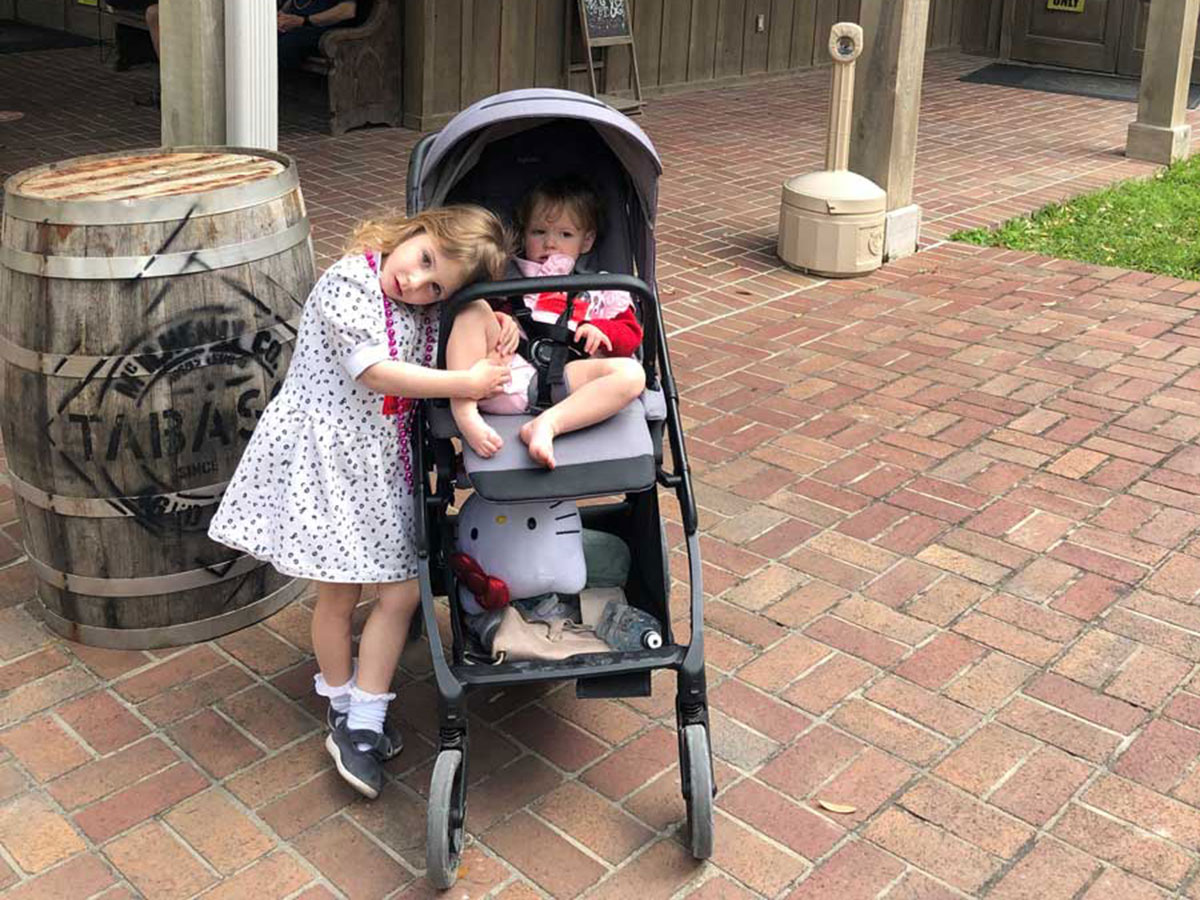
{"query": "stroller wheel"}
pixel 444 820
pixel 700 791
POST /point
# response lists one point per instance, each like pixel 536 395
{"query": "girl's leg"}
pixel 384 635
pixel 599 388
pixel 331 624
pixel 360 749
pixel 152 27
pixel 331 629
pixel 475 332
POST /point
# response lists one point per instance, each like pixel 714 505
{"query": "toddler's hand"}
pixel 510 336
pixel 593 339
pixel 487 378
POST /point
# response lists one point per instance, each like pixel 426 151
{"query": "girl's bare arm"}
pixel 404 379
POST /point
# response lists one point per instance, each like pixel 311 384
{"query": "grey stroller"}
pixel 491 154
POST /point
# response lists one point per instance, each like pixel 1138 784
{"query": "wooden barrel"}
pixel 149 302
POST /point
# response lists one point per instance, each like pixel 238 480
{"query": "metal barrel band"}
pixel 136 211
pixel 134 506
pixel 132 365
pixel 157 266
pixel 173 635
pixel 142 587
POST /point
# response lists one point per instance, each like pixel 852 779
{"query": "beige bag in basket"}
pixel 517 639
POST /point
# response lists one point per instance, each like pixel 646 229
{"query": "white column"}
pixel 887 103
pixel 251 76
pixel 1161 133
pixel 192 38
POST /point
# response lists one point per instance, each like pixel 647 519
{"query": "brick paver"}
pixel 950 516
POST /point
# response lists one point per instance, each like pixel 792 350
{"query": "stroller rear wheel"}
pixel 699 791
pixel 444 820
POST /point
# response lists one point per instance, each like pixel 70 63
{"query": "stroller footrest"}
pixel 584 666
pixel 627 684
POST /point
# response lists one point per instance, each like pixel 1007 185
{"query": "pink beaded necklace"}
pixel 402 407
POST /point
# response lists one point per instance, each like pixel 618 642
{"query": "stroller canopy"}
pixel 494 151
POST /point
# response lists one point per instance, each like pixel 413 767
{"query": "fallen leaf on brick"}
pixel 837 807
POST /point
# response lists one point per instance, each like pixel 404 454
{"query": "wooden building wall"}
pixel 458 51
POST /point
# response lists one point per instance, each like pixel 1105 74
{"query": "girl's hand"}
pixel 510 336
pixel 487 378
pixel 593 339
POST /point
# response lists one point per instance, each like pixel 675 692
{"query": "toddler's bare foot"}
pixel 482 437
pixel 538 434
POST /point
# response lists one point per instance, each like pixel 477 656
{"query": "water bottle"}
pixel 625 627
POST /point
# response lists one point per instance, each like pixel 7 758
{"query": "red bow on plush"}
pixel 490 592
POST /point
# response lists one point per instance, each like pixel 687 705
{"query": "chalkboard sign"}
pixel 604 19
pixel 605 27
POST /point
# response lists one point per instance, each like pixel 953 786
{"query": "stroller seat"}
pixel 615 456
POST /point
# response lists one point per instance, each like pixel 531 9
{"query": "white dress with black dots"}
pixel 320 491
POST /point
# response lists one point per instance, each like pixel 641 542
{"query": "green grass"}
pixel 1151 225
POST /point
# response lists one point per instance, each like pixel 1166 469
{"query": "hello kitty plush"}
pixel 511 551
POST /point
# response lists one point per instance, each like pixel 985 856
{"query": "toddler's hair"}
pixel 569 192
pixel 469 235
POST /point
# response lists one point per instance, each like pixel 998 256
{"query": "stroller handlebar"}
pixel 517 287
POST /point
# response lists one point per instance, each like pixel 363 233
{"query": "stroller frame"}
pixel 597 675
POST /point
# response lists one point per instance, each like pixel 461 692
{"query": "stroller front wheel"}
pixel 444 820
pixel 700 791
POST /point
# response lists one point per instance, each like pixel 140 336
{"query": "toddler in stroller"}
pixel 556 222
pixel 494 154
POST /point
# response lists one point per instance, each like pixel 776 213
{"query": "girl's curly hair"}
pixel 469 235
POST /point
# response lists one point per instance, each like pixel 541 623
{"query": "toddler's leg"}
pixel 599 389
pixel 474 334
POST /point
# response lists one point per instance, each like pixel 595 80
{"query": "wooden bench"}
pixel 361 64
pixel 131 47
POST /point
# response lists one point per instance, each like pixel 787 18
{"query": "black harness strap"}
pixel 557 351
pixel 548 347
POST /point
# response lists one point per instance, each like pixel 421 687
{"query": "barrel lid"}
pixel 150 185
pixel 834 193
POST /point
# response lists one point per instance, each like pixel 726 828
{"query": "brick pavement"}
pixel 951 521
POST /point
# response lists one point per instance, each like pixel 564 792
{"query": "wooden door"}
pixel 1133 41
pixel 1086 39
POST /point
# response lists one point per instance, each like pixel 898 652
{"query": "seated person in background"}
pixel 152 27
pixel 302 22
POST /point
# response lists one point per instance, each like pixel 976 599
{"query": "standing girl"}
pixel 324 489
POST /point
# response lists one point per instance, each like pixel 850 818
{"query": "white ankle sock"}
pixel 338 695
pixel 367 712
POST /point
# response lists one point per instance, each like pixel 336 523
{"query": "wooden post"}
pixel 1160 133
pixel 887 103
pixel 192 72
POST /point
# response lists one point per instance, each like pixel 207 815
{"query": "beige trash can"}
pixel 831 223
